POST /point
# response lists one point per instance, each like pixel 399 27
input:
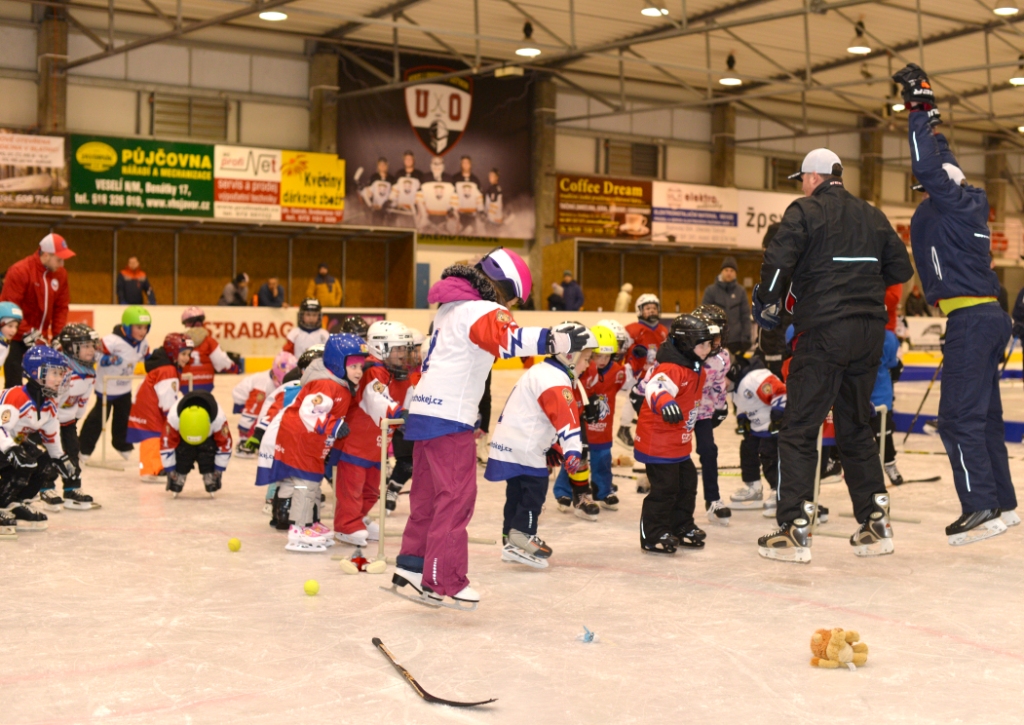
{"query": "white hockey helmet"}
pixel 647 299
pixel 572 360
pixel 386 335
pixel 418 338
pixel 623 338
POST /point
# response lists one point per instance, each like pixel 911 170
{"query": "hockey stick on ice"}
pixel 416 686
pixel 918 413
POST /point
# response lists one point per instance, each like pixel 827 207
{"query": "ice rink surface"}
pixel 138 613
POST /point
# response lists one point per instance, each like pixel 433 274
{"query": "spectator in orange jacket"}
pixel 133 287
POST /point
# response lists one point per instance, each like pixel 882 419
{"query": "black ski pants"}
pixel 524 498
pixel 668 507
pixel 205 455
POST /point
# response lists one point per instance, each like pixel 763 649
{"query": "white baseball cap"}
pixel 954 172
pixel 818 161
pixel 56 244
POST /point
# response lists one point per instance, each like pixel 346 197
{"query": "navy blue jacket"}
pixel 572 295
pixel 949 230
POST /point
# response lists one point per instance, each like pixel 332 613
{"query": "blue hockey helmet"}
pixel 40 360
pixel 9 311
pixel 339 349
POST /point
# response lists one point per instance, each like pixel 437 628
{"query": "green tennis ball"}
pixel 234 544
pixel 312 587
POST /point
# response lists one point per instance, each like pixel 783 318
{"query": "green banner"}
pixel 134 176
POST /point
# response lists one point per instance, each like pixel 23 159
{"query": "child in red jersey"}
pixel 664 435
pixel 401 392
pixel 207 358
pixel 357 455
pixel 646 335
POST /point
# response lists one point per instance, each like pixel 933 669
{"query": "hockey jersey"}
pixel 756 395
pixel 468 336
pixel 673 379
pixel 299 340
pixel 278 399
pixel 494 206
pixel 81 383
pixel 715 368
pixel 469 200
pixel 643 353
pixel 372 403
pixel 4 350
pixel 207 359
pixel 248 397
pixel 377 192
pixel 601 387
pixel 404 193
pixel 220 431
pixel 157 395
pixel 436 198
pixel 540 411
pixel 21 415
pixel 298 438
pixel 120 356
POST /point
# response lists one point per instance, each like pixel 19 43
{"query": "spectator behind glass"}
pixel 324 288
pixel 572 293
pixel 271 294
pixel 236 292
pixel 133 287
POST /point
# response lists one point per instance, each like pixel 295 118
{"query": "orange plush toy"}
pixel 833 648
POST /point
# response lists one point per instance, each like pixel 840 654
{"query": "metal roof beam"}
pixel 392 9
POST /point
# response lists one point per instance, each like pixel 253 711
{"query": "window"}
pixel 779 169
pixel 622 158
pixel 645 160
pixel 205 118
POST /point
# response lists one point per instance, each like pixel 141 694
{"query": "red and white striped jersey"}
pixel 657 441
pixel 20 416
pixel 299 340
pixel 157 396
pixel 758 392
pixel 81 385
pixel 372 402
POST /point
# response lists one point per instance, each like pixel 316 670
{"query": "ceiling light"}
pixel 1020 129
pixel 729 79
pixel 273 16
pixel 859 45
pixel 528 49
pixel 1018 76
pixel 652 11
pixel 898 106
pixel 1006 7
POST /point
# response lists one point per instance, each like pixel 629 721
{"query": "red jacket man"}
pixel 39 285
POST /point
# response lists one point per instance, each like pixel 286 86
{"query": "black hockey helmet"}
pixel 739 368
pixel 355 325
pixel 313 352
pixel 714 315
pixel 310 304
pixel 73 336
pixel 688 331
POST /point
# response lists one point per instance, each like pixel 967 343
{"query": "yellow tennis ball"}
pixel 234 544
pixel 312 587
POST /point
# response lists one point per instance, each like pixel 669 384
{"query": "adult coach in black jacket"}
pixel 830 263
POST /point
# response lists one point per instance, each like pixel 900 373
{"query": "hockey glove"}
pixel 574 463
pixel 896 372
pixel 636 400
pixel 671 413
pixel 69 472
pixel 554 457
pixel 31 337
pixel 718 416
pixel 934 117
pixel 342 431
pixel 640 352
pixel 109 361
pixel 24 456
pixel 562 343
pixel 916 88
pixel 777 416
pixel 251 444
pixel 767 316
pixel 1018 330
pixel 591 412
pixel 743 423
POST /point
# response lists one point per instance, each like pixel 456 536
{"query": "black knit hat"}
pixel 730 262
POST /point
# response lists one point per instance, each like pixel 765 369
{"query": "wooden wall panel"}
pixel 155 251
pixel 262 258
pixel 204 267
pixel 679 278
pixel 307 255
pixel 555 258
pixel 90 271
pixel 401 281
pixel 599 272
pixel 364 273
pixel 641 271
pixel 17 242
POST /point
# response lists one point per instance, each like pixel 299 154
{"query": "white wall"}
pixel 284 127
pixel 688 165
pixel 749 171
pixel 17 102
pixel 575 154
pixel 101 111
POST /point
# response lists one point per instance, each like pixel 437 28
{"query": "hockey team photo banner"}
pixel 33 171
pixel 449 157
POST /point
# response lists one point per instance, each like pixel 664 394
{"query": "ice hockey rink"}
pixel 138 613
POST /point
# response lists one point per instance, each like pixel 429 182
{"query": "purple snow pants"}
pixel 441 501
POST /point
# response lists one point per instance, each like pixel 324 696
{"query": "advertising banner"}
pixel 33 171
pixel 312 188
pixel 447 156
pixel 246 183
pixel 757 210
pixel 594 206
pixel 133 176
pixel 693 214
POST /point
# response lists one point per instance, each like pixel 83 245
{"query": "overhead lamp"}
pixel 858 45
pixel 528 49
pixel 653 11
pixel 730 79
pixel 898 104
pixel 1020 129
pixel 1006 7
pixel 1018 76
pixel 274 16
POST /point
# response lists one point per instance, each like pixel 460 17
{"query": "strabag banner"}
pixel 33 171
pixel 592 206
pixel 449 157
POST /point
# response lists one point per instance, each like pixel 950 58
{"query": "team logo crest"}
pixel 567 394
pixel 318 400
pixel 5 417
pixel 438 112
pixel 174 385
pixel 504 317
pixel 378 387
pixel 766 389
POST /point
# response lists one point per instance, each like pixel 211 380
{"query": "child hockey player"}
pixel 309 330
pixel 601 380
pixel 882 394
pixel 357 455
pixel 24 410
pixel 207 358
pixel 197 432
pixel 10 318
pixel 540 422
pixel 79 343
pixel 294 447
pixel 647 334
pixel 401 391
pixel 249 394
pixel 711 411
pixel 472 328
pixel 355 325
pixel 125 347
pixel 663 434
pixel 157 395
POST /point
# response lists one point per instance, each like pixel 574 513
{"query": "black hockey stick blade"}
pixel 931 479
pixel 416 686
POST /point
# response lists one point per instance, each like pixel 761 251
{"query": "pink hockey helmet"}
pixel 193 316
pixel 284 362
pixel 509 272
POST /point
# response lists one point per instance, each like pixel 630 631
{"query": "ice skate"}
pixel 894 474
pixel 625 436
pixel 584 507
pixel 931 427
pixel 391 497
pixel 211 481
pixel 691 538
pixel 356 538
pixel 8 526
pixel 127 455
pixel 833 471
pixel 1010 518
pixel 372 529
pixel 466 600
pixel 822 514
pixel 522 548
pixel 304 540
pixel 268 507
pixel 414 579
pixel 27 518
pixel 564 503
pixel 50 501
pixel 975 526
pixel 75 500
pixel 610 502
pixel 771 505
pixel 643 484
pixel 326 534
pixel 747 498
pixel 718 512
pixel 175 482
pixel 874 537
pixel 791 541
pixel 664 544
pixel 243 451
